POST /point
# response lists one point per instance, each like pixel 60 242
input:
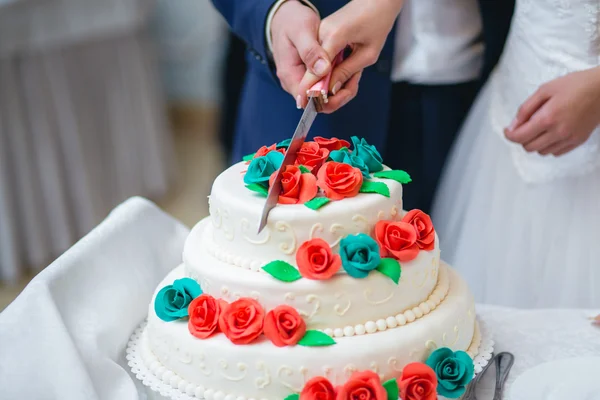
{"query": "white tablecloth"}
pixel 64 336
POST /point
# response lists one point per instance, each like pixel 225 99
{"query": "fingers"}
pixel 289 67
pixel 553 148
pixel 308 80
pixel 551 143
pixel 529 108
pixel 289 77
pixel 333 38
pixel 542 141
pixel 540 121
pixel 565 149
pixel 315 58
pixel 361 58
pixel 527 132
pixel 344 95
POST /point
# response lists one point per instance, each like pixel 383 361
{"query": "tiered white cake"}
pixel 377 324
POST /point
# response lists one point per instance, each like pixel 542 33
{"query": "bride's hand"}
pixel 364 26
pixel 560 116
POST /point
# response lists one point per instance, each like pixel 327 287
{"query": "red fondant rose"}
pixel 339 180
pixel 418 382
pixel 331 144
pixel 318 388
pixel 424 228
pixel 264 150
pixel 204 313
pixel 312 156
pixel 316 260
pixel 284 326
pixel 396 239
pixel 364 385
pixel 242 321
pixel 296 187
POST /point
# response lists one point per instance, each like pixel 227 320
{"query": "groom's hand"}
pixel 363 25
pixel 296 50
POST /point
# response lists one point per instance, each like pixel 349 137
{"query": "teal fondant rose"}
pixel 284 144
pixel 344 156
pixel 261 168
pixel 454 371
pixel 360 255
pixel 368 153
pixel 172 301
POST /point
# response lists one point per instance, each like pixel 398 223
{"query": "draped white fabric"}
pixel 82 123
pixel 64 336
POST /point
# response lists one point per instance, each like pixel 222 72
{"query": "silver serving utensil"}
pixel 308 117
pixel 470 393
pixel 504 362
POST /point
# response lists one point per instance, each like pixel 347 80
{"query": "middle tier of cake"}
pixel 341 306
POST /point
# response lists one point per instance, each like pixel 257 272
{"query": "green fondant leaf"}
pixel 282 271
pixel 390 268
pixel 375 187
pixel 317 203
pixel 396 174
pixel 294 396
pixel 344 149
pixel 304 170
pixel 248 157
pixel 316 338
pixel 391 387
pixel 260 189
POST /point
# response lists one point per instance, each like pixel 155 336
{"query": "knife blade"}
pixel 306 121
pixel 317 95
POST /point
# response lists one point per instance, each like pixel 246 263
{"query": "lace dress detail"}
pixel 548 39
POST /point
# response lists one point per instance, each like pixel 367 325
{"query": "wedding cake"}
pixel 341 296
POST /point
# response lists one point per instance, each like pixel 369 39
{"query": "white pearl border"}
pixel 237 261
pixel 435 298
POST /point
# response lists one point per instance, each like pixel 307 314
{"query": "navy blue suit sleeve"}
pixel 247 19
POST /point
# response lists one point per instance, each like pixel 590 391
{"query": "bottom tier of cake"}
pixel 215 368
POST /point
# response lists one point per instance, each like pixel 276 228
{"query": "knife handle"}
pixel 320 90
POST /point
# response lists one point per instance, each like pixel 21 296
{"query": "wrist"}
pixel 277 5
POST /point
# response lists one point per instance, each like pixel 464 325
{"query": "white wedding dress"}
pixel 523 229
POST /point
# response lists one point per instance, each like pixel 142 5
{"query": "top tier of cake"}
pixel 235 214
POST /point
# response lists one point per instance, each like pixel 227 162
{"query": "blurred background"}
pixel 101 101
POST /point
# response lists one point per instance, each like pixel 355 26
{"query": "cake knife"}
pixel 306 121
pixel 317 95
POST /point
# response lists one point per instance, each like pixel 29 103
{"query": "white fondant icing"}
pixel 288 368
pixel 244 225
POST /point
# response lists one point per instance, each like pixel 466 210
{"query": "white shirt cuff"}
pixel 272 12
